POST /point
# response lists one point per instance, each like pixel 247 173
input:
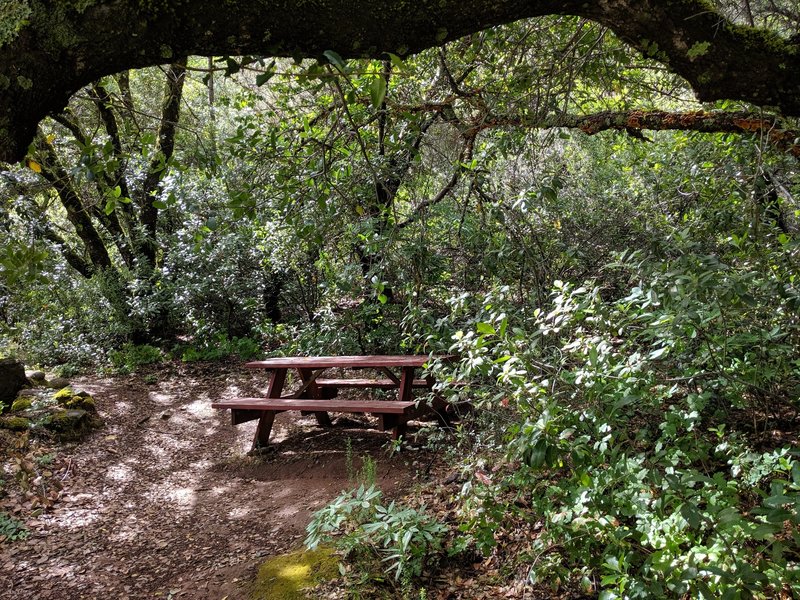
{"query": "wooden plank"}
pixel 243 416
pixel 382 384
pixel 313 405
pixel 264 428
pixel 345 362
pixel 309 376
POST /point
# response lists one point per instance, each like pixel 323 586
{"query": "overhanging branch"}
pixel 63 46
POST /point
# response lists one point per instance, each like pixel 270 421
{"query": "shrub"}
pixel 221 347
pixel 405 538
pixel 634 436
pixel 130 357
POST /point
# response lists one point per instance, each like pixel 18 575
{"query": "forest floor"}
pixel 163 501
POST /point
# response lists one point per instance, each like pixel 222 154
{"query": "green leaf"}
pixel 336 60
pixel 159 204
pixel 485 329
pixel 397 62
pixel 377 91
pixel 263 78
pixel 110 206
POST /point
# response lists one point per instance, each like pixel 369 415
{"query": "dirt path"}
pixel 163 502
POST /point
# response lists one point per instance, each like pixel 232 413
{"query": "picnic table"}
pixel 317 395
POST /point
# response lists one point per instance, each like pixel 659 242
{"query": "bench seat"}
pixel 392 414
pixel 309 404
pixel 381 384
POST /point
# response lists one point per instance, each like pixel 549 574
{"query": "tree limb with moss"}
pixel 50 49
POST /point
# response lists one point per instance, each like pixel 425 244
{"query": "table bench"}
pixel 318 396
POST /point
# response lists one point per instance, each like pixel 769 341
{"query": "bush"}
pixel 130 357
pixel 636 432
pixel 221 347
pixel 406 538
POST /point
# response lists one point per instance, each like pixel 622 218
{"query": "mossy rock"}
pixel 15 423
pixel 58 383
pixel 21 404
pixel 76 400
pixel 290 576
pixel 70 425
pixel 82 402
pixel 64 395
pixel 38 377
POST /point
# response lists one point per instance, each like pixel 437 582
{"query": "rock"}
pixel 37 377
pixel 70 425
pixel 26 392
pixel 68 398
pixel 12 380
pixel 58 383
pixel 15 423
pixel 21 404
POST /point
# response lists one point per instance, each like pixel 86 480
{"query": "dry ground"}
pixel 163 501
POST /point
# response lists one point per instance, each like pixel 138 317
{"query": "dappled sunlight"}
pixel 238 513
pixel 120 472
pixel 161 398
pixel 200 408
pixel 168 487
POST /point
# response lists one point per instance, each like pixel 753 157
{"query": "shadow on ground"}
pixel 164 502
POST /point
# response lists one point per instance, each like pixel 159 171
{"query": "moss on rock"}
pixel 286 577
pixel 68 398
pixel 64 395
pixel 21 404
pixel 15 423
pixel 70 424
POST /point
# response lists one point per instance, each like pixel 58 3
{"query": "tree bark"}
pixel 62 46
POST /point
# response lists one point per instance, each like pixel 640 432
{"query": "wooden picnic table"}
pixel 317 395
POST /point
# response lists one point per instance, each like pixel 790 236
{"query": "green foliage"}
pixel 406 539
pixel 11 529
pixel 130 357
pixel 367 474
pixel 222 347
pixel 645 477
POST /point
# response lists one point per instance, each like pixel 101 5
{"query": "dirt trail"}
pixel 164 503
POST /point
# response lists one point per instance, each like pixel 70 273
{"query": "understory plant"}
pixel 11 529
pixel 645 441
pixel 357 522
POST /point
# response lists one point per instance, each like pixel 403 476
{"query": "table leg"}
pixel 406 384
pixel 313 391
pixel 267 418
pixel 404 395
pixel 263 429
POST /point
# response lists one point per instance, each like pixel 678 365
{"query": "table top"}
pixel 324 362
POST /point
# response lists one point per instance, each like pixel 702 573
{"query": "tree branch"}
pixel 55 174
pixel 62 46
pixel 170 112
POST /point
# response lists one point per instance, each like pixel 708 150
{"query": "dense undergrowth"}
pixel 625 310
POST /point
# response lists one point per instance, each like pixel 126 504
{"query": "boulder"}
pixel 70 425
pixel 15 423
pixel 67 398
pixel 58 383
pixel 12 380
pixel 38 377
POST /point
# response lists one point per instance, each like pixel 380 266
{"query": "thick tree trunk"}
pixel 57 47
